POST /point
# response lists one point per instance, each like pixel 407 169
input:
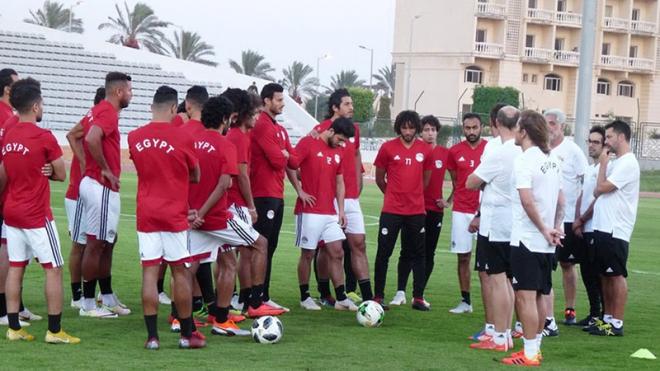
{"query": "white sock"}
pixel 499 338
pixel 617 323
pixel 607 318
pixel 88 304
pixel 490 329
pixel 109 300
pixel 539 338
pixel 507 333
pixel 518 327
pixel 531 348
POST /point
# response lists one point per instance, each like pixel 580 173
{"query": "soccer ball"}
pixel 267 330
pixel 370 314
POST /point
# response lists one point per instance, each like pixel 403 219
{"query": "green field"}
pixel 327 340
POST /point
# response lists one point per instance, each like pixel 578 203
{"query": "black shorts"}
pixel 611 255
pixel 531 270
pixel 572 251
pixel 498 258
pixel 481 258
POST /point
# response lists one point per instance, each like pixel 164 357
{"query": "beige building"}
pixel 444 48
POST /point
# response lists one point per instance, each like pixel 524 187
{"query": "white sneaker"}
pixel 275 305
pixel 76 304
pixel 4 321
pixel 164 299
pixel 26 315
pixel 426 303
pixel 346 304
pixel 399 298
pixel 309 304
pixel 234 302
pixel 117 309
pixel 462 307
pixel 97 313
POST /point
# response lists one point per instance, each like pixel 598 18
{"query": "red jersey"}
pixel 105 117
pixel 216 156
pixel 319 166
pixel 404 168
pixel 6 126
pixel 26 149
pixel 350 150
pixel 463 159
pixel 163 157
pixel 5 113
pixel 241 140
pixel 267 169
pixel 433 191
pixel 75 175
pixel 177 121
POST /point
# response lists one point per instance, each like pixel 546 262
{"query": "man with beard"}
pixel 463 158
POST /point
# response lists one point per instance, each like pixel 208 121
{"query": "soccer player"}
pixel 463 158
pixel 403 168
pixel 573 166
pixel 494 175
pixel 319 219
pixel 434 204
pixel 165 162
pixel 31 230
pixel 537 221
pixel 584 230
pixel 74 207
pixel 271 154
pixel 615 211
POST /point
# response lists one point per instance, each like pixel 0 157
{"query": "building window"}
pixel 552 82
pixel 626 89
pixel 534 79
pixel 609 10
pixel 633 51
pixel 603 87
pixel 636 15
pixel 529 41
pixel 473 74
pixel 561 5
pixel 525 77
pixel 606 49
pixel 531 4
pixel 559 44
pixel 480 36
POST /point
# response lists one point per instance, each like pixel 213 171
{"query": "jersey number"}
pixel 408 161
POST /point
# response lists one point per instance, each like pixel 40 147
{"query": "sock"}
pixel 569 308
pixel 507 333
pixel 89 289
pixel 198 303
pixel 539 339
pixel 186 327
pixel 466 297
pixel 173 311
pixel 54 321
pixel 3 305
pixel 205 280
pixel 152 325
pixel 499 338
pixel 243 296
pixel 105 285
pixel 552 324
pixel 617 323
pixel 223 312
pixel 607 318
pixel 76 290
pixel 304 292
pixel 213 310
pixel 256 296
pixel 21 307
pixel 365 289
pixel 109 300
pixel 489 329
pixel 324 287
pixel 518 327
pixel 159 284
pixel 14 323
pixel 340 292
pixel 531 347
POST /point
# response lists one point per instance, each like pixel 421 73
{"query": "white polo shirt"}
pixel 496 170
pixel 491 145
pixel 590 177
pixel 539 172
pixel 615 212
pixel 573 165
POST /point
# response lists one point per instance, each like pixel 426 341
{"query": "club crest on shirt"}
pixel 438 164
pixel 419 157
pixel 351 139
pixel 336 158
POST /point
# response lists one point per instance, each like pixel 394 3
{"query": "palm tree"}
pixel 252 64
pixel 385 80
pixel 55 15
pixel 190 47
pixel 298 82
pixel 345 79
pixel 137 28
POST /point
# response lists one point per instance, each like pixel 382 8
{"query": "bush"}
pixel 363 100
pixel 384 111
pixel 485 97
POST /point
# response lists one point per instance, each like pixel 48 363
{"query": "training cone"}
pixel 643 354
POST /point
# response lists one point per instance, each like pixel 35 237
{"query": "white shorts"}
pixel 170 247
pixel 74 214
pixel 240 212
pixel 461 239
pixel 4 234
pixel 42 243
pixel 354 217
pixel 101 207
pixel 312 228
pixel 237 233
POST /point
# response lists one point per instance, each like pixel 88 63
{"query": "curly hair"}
pixel 216 110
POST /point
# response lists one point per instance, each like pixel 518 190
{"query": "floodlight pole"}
pixel 585 74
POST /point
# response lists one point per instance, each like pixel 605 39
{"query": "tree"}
pixel 345 79
pixel 298 82
pixel 363 103
pixel 137 28
pixel 190 47
pixel 385 80
pixel 485 97
pixel 54 15
pixel 252 64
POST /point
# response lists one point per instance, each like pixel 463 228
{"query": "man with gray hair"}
pixel 494 174
pixel 573 164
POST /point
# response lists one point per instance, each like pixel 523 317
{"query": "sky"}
pixel 281 30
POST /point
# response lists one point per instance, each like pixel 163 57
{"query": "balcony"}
pixel 569 19
pixel 489 49
pixel 643 27
pixel 640 64
pixel 616 24
pixel 567 57
pixel 541 15
pixel 538 55
pixel 489 10
pixel 619 63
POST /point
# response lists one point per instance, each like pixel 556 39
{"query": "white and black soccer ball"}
pixel 370 314
pixel 267 330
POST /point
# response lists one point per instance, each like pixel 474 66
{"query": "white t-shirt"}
pixel 615 212
pixel 573 164
pixel 539 172
pixel 590 177
pixel 496 170
pixel 492 143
